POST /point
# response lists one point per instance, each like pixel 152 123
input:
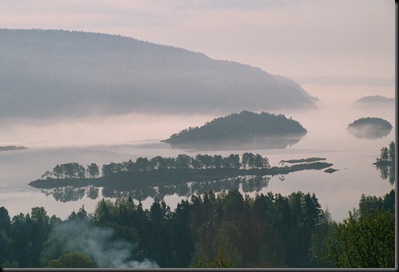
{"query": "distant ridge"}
pixel 374 101
pixel 56 73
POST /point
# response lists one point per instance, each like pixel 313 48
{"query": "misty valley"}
pixel 121 153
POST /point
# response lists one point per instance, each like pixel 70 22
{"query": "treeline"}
pixel 228 230
pixel 72 170
pixel 143 164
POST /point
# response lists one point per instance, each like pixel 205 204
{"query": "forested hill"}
pixel 67 73
pixel 240 128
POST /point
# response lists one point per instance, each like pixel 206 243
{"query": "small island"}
pixel 11 148
pixel 241 131
pixel 370 128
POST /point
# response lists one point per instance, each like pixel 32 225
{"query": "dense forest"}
pixel 225 230
pixel 238 128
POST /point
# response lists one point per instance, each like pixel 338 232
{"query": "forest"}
pixel 225 230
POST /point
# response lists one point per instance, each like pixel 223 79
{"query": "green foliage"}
pixel 367 238
pixel 212 231
pixel 367 242
pixel 220 261
pixel 72 260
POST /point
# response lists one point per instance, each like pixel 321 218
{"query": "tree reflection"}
pixel 249 183
pixel 66 194
pixel 387 171
pixel 385 163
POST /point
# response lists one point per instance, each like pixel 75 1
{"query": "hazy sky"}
pixel 302 39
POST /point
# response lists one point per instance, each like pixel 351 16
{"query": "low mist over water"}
pixel 124 137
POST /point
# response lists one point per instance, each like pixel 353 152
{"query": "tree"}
pixel 72 260
pixel 183 161
pixel 142 164
pixel 157 163
pixel 5 241
pixel 233 161
pixel 383 154
pixel 93 170
pixel 391 152
pixel 220 261
pixel 247 160
pixel 217 161
pixel 366 242
pixel 57 171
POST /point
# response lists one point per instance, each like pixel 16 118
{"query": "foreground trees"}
pixel 367 238
pixel 225 230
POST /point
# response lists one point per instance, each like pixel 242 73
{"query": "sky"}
pixel 320 41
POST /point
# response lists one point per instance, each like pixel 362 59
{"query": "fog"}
pixel 95 130
pixel 95 242
pixel 327 122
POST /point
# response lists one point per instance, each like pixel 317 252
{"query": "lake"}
pixel 120 138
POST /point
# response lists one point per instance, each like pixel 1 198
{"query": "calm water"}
pixel 327 137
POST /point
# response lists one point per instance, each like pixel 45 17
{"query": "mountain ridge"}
pixel 71 73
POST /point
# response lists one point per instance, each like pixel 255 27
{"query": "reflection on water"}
pixel 249 183
pixel 259 143
pixel 387 171
pixel 369 132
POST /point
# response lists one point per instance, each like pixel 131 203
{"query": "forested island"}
pixel 12 147
pixel 159 170
pixel 370 128
pixel 241 131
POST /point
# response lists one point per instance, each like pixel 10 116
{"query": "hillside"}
pixel 237 131
pixel 55 73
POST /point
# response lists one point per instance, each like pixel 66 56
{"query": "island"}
pixel 164 171
pixel 370 128
pixel 245 130
pixel 11 148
